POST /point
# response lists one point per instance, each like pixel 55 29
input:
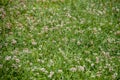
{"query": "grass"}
pixel 59 40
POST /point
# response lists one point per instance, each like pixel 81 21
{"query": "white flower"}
pixel 98 74
pixel 78 42
pixel 40 61
pixel 7 58
pixel 31 64
pixel 117 33
pixel 73 69
pixel 34 43
pixel 51 74
pixel 97 60
pixel 114 75
pixel 60 71
pixel 92 64
pixel 26 50
pixel 51 63
pixel 44 70
pixel 81 68
pixel 17 60
pixel 14 41
pixel 15 66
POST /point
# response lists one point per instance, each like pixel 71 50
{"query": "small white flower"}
pixel 73 69
pixel 60 71
pixel 17 60
pixel 117 33
pixel 14 57
pixel 34 43
pixel 7 58
pixel 14 41
pixel 78 42
pixel 92 64
pixel 97 60
pixel 44 70
pixel 51 74
pixel 31 63
pixel 51 63
pixel 98 74
pixel 26 50
pixel 15 66
pixel 114 75
pixel 81 68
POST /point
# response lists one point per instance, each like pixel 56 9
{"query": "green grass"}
pixel 59 40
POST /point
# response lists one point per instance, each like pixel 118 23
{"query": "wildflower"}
pixel 92 64
pixel 60 71
pixel 44 70
pixel 110 69
pixel 51 63
pixel 14 66
pixel 88 60
pixel 82 21
pixel 8 25
pixel 98 74
pixel 100 12
pixel 51 74
pixel 73 69
pixel 14 57
pixel 78 42
pixel 117 33
pixel 14 41
pixel 81 68
pixel 34 43
pixel 25 50
pixel 114 75
pixel 7 58
pixel 97 60
pixel 31 64
pixel 40 60
pixel 95 30
pixel 3 13
pixel 17 60
pixel 16 51
pixel 45 29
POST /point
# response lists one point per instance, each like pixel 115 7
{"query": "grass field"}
pixel 59 40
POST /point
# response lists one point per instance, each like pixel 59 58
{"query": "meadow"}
pixel 59 39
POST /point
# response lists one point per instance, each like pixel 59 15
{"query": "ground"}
pixel 59 40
